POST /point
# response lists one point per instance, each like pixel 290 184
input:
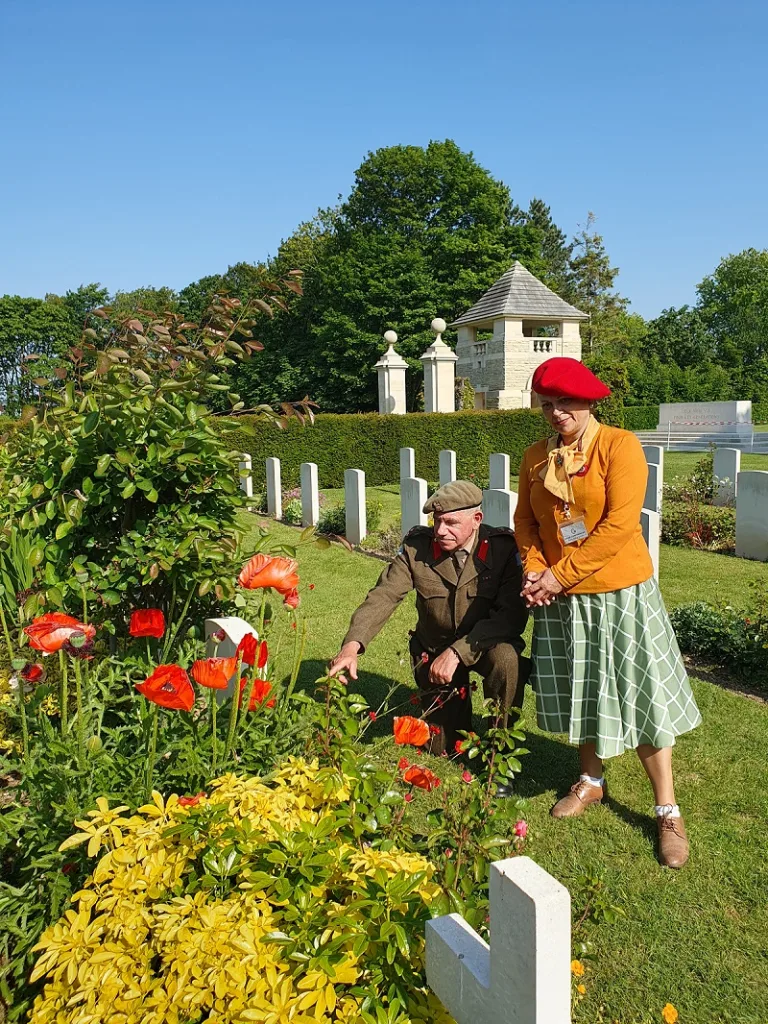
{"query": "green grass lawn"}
pixel 695 938
pixel 681 464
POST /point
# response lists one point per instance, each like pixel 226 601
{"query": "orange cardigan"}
pixel 609 496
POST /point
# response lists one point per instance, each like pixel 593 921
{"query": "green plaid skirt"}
pixel 607 670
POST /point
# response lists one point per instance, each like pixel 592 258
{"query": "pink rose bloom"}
pixel 521 829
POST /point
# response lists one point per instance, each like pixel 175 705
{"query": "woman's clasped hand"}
pixel 541 588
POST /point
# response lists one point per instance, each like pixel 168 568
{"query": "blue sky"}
pixel 153 141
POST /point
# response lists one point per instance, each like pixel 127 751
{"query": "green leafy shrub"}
pixel 372 443
pixel 691 524
pixel 120 475
pixel 760 412
pixel 333 519
pixel 292 512
pixel 722 635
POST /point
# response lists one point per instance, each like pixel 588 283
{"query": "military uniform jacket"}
pixel 471 613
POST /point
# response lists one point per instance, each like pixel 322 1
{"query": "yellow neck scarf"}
pixel 565 462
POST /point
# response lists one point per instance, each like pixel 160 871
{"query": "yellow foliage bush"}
pixel 250 904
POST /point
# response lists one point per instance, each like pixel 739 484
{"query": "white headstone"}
pixel 274 489
pixel 726 467
pixel 354 505
pixel 447 464
pixel 524 977
pixel 391 370
pixel 407 463
pixel 752 515
pixel 499 507
pixel 413 496
pixel 654 488
pixel 654 455
pixel 310 494
pixel 439 373
pixel 246 479
pixel 498 466
pixel 234 629
pixel 706 417
pixel 651 524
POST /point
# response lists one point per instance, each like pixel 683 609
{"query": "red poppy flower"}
pixel 247 649
pixel 267 571
pixel 191 801
pixel 270 703
pixel 422 778
pixel 410 730
pixel 33 673
pixel 292 599
pixel 51 631
pixel 458 746
pixel 147 622
pixel 258 690
pixel 169 687
pixel 214 673
pixel 403 763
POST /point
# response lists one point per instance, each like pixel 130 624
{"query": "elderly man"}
pixel 468 579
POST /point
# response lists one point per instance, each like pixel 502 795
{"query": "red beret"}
pixel 563 377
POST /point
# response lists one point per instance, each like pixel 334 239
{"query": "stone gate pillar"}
pixel 439 373
pixel 391 370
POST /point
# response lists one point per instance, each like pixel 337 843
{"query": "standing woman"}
pixel 606 666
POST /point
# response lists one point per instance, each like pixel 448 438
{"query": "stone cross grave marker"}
pixel 354 506
pixel 234 629
pixel 654 488
pixel 274 489
pixel 752 515
pixel 413 495
pixel 498 466
pixel 524 977
pixel 726 467
pixel 246 479
pixel 447 466
pixel 310 494
pixel 407 463
pixel 650 521
pixel 499 507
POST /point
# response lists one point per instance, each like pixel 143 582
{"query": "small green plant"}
pixel 333 519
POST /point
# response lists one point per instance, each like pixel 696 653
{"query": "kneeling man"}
pixel 468 580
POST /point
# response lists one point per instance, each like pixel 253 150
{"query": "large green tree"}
pixel 33 333
pixel 591 288
pixel 423 233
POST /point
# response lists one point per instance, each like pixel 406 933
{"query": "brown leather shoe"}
pixel 582 794
pixel 673 841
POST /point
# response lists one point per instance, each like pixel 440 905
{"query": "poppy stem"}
pixel 80 722
pixel 214 737
pixel 149 654
pixel 152 750
pixel 20 690
pixel 233 711
pixel 64 698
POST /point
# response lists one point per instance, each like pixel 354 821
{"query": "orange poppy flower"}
pixel 423 778
pixel 147 622
pixel 268 571
pixel 51 631
pixel 169 687
pixel 411 730
pixel 247 649
pixel 214 673
pixel 259 690
pixel 33 673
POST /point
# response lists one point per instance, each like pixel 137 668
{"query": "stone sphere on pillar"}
pixel 438 325
pixel 390 337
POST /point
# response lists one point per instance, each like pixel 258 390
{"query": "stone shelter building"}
pixel 517 325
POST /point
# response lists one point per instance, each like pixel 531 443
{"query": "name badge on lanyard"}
pixel 573 530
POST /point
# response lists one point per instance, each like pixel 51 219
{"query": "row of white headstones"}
pixel 748 490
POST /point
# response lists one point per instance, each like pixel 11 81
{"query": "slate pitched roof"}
pixel 519 293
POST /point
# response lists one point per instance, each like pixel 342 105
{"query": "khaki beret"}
pixel 454 497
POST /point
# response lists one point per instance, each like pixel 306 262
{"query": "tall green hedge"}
pixel 641 417
pixel 760 412
pixel 372 443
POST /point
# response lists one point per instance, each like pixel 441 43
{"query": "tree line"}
pixel 423 233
